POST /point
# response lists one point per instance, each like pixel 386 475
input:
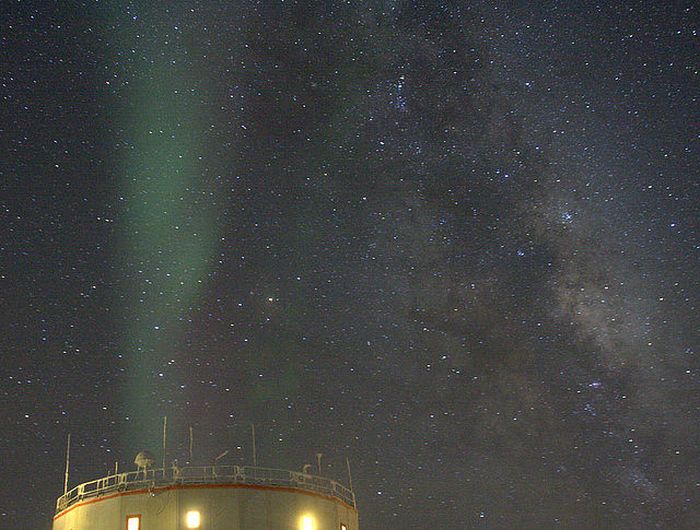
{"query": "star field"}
pixel 454 242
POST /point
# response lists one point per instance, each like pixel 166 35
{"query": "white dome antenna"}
pixel 144 460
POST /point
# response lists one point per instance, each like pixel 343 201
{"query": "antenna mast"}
pixel 347 461
pixel 65 479
pixel 190 460
pixel 255 454
pixel 165 426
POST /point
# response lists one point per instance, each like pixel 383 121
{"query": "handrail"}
pixel 205 475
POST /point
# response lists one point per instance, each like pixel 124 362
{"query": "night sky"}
pixel 455 242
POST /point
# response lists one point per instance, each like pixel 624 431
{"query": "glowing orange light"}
pixel 307 523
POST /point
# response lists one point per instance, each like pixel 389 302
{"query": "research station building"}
pixel 208 498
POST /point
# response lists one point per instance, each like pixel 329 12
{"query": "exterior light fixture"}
pixel 192 519
pixel 307 523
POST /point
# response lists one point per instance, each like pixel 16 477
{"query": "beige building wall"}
pixel 221 507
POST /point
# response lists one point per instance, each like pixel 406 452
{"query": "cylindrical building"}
pixel 208 498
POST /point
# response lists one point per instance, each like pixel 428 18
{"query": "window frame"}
pixel 133 516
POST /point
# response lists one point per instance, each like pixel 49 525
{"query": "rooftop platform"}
pixel 173 476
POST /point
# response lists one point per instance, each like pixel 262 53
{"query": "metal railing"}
pixel 154 478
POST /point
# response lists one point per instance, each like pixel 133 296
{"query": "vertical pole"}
pixel 165 426
pixel 347 461
pixel 255 453
pixel 318 462
pixel 65 479
pixel 190 460
pixel 116 468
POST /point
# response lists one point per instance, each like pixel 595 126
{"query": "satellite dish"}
pixel 144 460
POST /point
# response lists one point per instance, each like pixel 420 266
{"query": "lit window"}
pixel 133 522
pixel 307 523
pixel 192 519
pixel 343 526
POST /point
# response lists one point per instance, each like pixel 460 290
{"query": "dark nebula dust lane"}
pixel 455 243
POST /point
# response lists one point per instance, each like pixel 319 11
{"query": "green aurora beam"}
pixel 168 233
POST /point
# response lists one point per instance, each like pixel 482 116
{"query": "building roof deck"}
pixel 173 476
